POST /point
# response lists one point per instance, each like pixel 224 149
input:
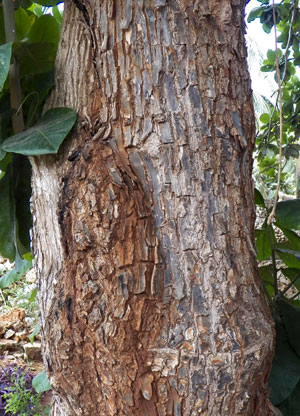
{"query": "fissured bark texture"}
pixel 150 298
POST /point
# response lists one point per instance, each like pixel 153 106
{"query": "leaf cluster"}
pixel 267 145
pixel 34 50
pixel 284 258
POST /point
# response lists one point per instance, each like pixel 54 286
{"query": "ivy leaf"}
pixel 41 382
pixel 288 214
pixel 285 372
pixel 44 137
pixel 5 55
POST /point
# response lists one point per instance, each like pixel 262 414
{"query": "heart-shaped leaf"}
pixel 44 137
pixel 5 54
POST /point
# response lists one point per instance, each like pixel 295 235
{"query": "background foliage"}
pixel 278 243
pixel 34 51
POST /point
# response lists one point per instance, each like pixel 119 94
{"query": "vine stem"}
pixel 272 214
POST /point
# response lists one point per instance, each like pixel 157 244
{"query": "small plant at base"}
pixel 17 396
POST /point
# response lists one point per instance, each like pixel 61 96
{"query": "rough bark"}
pixel 150 298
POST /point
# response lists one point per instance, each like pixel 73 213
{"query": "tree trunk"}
pixel 151 303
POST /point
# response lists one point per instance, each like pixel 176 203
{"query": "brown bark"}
pixel 151 302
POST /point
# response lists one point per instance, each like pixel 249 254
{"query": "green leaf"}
pixel 35 331
pixel 265 118
pixel 57 14
pixel 23 21
pixel 269 67
pixel 33 294
pixel 256 12
pixel 293 238
pixel 46 136
pixel 263 246
pixel 5 55
pixel 266 273
pixel 28 256
pixel 258 198
pixel 288 214
pixel 15 274
pixel 291 318
pixel 41 382
pixel 271 55
pixel 290 257
pixel 7 249
pixel 285 372
pixel 44 30
pixel 35 58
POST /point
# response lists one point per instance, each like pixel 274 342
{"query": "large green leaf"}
pixel 46 136
pixel 16 274
pixel 7 249
pixel 285 372
pixel 288 214
pixel 35 58
pixel 41 382
pixel 5 54
pixel 45 30
pixel 291 317
pixel 23 21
